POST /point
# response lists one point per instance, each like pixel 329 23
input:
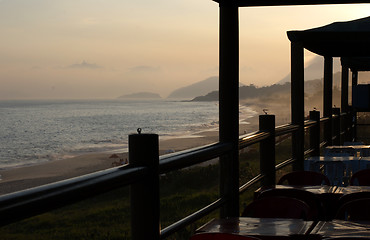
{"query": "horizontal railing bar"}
pixel 23 204
pixel 323 144
pixel 187 158
pixel 308 151
pixel 285 129
pixel 192 218
pixel 284 164
pixel 252 138
pixel 251 182
pixel 324 119
pixel 309 123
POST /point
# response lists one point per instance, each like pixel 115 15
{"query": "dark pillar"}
pixel 267 150
pixel 328 98
pixel 336 126
pixel 354 113
pixel 297 103
pixel 315 133
pixel 145 222
pixel 344 124
pixel 229 106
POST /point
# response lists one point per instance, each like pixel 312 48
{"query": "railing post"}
pixel 336 126
pixel 267 150
pixel 328 99
pixel 315 133
pixel 145 222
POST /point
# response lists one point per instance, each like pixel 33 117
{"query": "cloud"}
pixel 144 69
pixel 84 65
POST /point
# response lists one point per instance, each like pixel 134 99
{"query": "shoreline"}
pixel 21 178
pixel 24 177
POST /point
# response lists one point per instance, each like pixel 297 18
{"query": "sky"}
pixel 75 49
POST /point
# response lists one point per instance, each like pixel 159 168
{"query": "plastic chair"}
pixel 360 178
pixel 356 210
pixel 277 207
pixel 221 236
pixel 304 178
pixel 315 205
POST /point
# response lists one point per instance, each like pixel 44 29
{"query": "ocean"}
pixel 36 131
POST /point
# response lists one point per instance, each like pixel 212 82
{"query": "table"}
pixel 348 150
pixel 338 169
pixel 263 228
pixel 341 228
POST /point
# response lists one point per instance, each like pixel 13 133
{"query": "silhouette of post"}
pixel 345 120
pixel 267 150
pixel 328 99
pixel 336 126
pixel 145 222
pixel 297 103
pixel 315 133
pixel 229 106
pixel 354 112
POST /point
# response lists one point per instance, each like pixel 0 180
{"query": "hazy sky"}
pixel 106 48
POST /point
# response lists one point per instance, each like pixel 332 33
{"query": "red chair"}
pixel 356 210
pixel 360 178
pixel 316 209
pixel 304 178
pixel 277 207
pixel 221 236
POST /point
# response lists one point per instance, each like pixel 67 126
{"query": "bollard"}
pixel 267 150
pixel 315 133
pixel 144 195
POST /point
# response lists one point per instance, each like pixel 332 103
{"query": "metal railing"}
pixel 23 204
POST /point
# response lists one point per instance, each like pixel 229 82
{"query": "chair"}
pixel 221 236
pixel 356 210
pixel 316 209
pixel 351 197
pixel 360 178
pixel 277 207
pixel 304 178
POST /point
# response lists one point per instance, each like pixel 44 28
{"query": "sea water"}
pixel 36 131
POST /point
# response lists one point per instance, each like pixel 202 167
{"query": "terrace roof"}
pixel 338 39
pixel 256 3
pixel 357 63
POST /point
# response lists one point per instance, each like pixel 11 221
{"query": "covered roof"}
pixel 356 63
pixel 339 39
pixel 254 3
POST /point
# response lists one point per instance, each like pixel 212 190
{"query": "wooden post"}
pixel 267 150
pixel 315 133
pixel 145 222
pixel 328 98
pixel 344 105
pixel 229 106
pixel 354 112
pixel 297 103
pixel 336 126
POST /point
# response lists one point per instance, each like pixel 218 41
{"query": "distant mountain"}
pixel 314 70
pixel 250 91
pixel 197 89
pixel 141 95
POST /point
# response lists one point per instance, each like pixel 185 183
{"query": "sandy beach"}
pixel 16 179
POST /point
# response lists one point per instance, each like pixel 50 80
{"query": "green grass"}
pixel 108 216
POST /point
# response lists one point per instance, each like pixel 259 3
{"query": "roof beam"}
pixel 262 3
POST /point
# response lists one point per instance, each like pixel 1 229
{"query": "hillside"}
pixel 141 95
pixel 197 89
